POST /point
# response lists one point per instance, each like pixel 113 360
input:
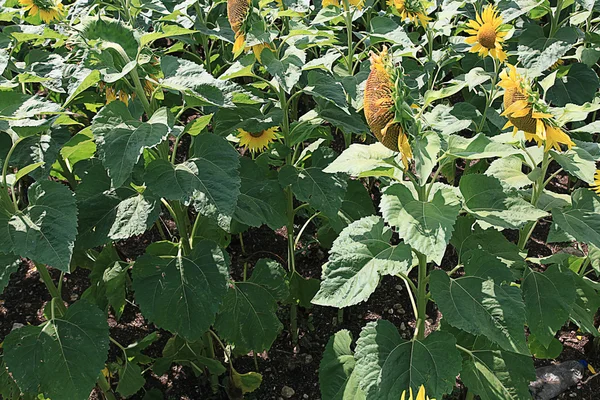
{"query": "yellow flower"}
pixel 413 10
pixel 596 184
pixel 420 395
pixel 526 113
pixel 379 106
pixel 48 9
pixel 487 37
pixel 258 141
pixel 336 3
pixel 112 95
pixel 237 12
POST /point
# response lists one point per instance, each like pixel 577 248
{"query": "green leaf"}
pixel 360 255
pixel 248 316
pixel 426 226
pixel 43 148
pixel 9 264
pixel 336 377
pixel 469 236
pixel 542 352
pixel 121 139
pixel 134 216
pixel 192 79
pixel 261 200
pixel 45 231
pixel 509 170
pixel 582 219
pixel 482 307
pixel 16 105
pixel 487 200
pixel 108 31
pixel 182 293
pixel 195 127
pixel 480 146
pixel 480 263
pixel 361 160
pixel 386 29
pixel 549 298
pixel 82 79
pixel 131 379
pixel 323 85
pixel 447 120
pixel 493 373
pixel 287 71
pixel 321 190
pixel 538 53
pixel 166 31
pixel 246 383
pixel 209 179
pixel 425 150
pixel 577 162
pixel 578 86
pixel 356 205
pixel 447 91
pixel 302 290
pixel 387 365
pixel 586 305
pixel 61 358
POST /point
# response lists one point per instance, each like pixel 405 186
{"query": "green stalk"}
pixel 67 173
pixel 489 97
pixel 105 386
pixel 555 18
pixel 182 222
pixel 421 297
pixel 11 205
pixel 47 279
pixel 538 187
pixel 139 90
pixel 214 379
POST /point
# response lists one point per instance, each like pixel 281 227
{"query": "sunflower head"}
pixel 526 112
pixel 48 10
pixel 237 12
pixel 382 94
pixel 486 36
pixel 420 395
pixel 257 141
pixel 596 184
pixel 413 10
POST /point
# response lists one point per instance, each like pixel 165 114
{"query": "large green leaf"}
pixel 209 180
pixel 9 264
pixel 509 170
pixel 487 200
pixel 192 79
pixel 577 162
pixel 336 371
pixel 44 231
pixel 425 225
pixel 248 316
pixel 182 293
pixel 61 358
pixel 578 86
pixel 287 71
pixel 324 85
pixel 360 255
pixel 586 305
pixel 16 105
pixel 43 148
pixel 469 236
pixel 537 52
pixel 490 372
pixel 582 219
pixel 479 146
pixel 134 215
pixel 321 190
pixel 425 150
pixel 361 160
pixel 482 307
pixel 387 365
pixel 121 139
pixel 262 200
pixel 549 298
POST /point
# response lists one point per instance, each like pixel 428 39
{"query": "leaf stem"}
pixel 421 297
pixel 538 187
pixel 47 279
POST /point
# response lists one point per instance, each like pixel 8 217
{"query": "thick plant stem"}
pixel 214 380
pixel 47 279
pixel 470 395
pixel 421 297
pixel 67 171
pixel 538 188
pixel 182 221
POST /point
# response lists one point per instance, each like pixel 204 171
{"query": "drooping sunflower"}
pixel 237 13
pixel 259 141
pixel 596 184
pixel 487 37
pixel 337 3
pixel 112 94
pixel 527 113
pixel 48 10
pixel 413 10
pixel 380 106
pixel 420 395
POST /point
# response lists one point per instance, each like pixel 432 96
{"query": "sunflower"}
pixel 237 13
pixel 380 106
pixel 413 10
pixel 336 3
pixel 487 37
pixel 420 395
pixel 112 95
pixel 596 185
pixel 48 9
pixel 527 113
pixel 258 141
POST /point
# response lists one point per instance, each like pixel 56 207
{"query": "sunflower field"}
pixel 298 199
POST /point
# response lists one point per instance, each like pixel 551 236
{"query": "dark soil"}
pixel 284 364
